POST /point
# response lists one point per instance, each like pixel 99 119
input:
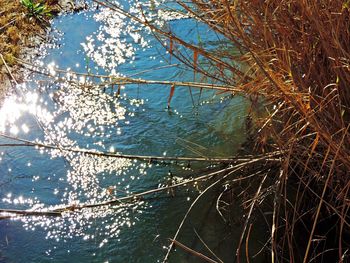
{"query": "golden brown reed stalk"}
pixel 296 53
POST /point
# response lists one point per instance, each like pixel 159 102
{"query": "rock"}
pixel 66 5
pixel 80 6
pixel 72 6
pixel 36 41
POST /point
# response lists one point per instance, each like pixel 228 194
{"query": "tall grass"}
pixel 296 57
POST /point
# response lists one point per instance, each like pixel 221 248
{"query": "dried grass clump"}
pixel 16 28
pixel 295 55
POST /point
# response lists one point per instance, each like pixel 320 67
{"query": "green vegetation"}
pixel 37 10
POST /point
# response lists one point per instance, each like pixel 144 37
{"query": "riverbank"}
pixel 299 78
pixel 22 30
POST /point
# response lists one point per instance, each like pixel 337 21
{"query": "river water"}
pixel 136 122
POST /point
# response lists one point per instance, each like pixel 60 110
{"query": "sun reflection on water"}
pixel 89 179
pixel 88 117
pixel 119 38
pixel 14 107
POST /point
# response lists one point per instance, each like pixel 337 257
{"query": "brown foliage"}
pixel 296 56
pixel 16 28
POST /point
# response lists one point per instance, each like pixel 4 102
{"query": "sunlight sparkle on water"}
pixel 76 117
pixel 14 108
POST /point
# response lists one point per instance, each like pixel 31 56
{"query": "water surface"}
pixel 137 121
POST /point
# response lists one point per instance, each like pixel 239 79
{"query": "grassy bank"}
pixel 20 22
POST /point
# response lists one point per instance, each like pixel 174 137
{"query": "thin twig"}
pixel 270 156
pixel 193 252
pixel 29 212
pixel 131 197
pixel 237 168
pixel 114 80
pixel 207 247
pixel 238 251
pixel 9 23
pixel 247 243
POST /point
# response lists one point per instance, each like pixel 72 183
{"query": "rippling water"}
pixel 68 110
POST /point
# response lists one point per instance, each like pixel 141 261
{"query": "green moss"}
pixel 13 35
pixel 10 59
pixel 15 50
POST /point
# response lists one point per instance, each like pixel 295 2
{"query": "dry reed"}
pixel 295 55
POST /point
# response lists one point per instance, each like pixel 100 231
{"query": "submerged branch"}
pixel 273 156
pixel 114 80
pixel 70 208
pixel 229 173
pixel 193 252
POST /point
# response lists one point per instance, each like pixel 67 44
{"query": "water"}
pixel 136 122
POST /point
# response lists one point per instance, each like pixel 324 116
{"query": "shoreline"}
pixel 21 36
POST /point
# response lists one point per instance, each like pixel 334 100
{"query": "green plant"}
pixel 10 59
pixel 36 10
